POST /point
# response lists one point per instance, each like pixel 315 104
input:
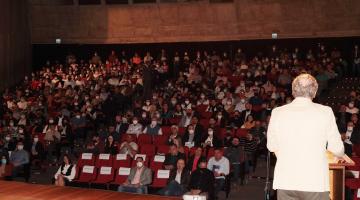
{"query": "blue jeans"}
pixel 132 189
pixel 172 189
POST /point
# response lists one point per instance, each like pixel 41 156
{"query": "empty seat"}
pixel 162 149
pixel 121 175
pixel 86 159
pixel 104 160
pixel 87 174
pixel 121 160
pixel 148 149
pixel 144 139
pixel 105 176
pixel 161 177
pixel 160 140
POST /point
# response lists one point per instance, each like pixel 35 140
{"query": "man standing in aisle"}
pixel 299 134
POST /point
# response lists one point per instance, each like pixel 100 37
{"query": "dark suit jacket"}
pixel 243 114
pixel 202 179
pixel 355 136
pixel 197 138
pixel 185 177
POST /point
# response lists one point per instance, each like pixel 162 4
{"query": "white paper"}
pixel 159 158
pixel 124 171
pixel 189 144
pixel 140 155
pixel 121 156
pixel 86 156
pixel 104 156
pixel 88 169
pixel 105 170
pixel 194 197
pixel 162 173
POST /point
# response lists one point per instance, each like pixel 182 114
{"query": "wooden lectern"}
pixel 337 176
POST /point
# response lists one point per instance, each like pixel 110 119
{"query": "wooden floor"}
pixel 11 190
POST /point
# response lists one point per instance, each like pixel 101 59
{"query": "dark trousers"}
pixel 300 195
pixel 238 172
pixel 219 185
pixel 172 189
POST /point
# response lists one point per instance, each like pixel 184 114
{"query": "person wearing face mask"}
pixel 211 140
pixel 135 127
pixel 9 143
pixel 236 155
pixel 78 124
pixel 153 128
pixel 5 167
pixel 186 119
pixel 20 160
pixel 191 139
pixel 37 153
pixel 138 180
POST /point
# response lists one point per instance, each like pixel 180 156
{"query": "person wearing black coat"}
pixel 190 136
pixel 202 181
pixel 178 180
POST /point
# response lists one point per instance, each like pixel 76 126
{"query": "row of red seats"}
pixel 92 175
pixel 155 161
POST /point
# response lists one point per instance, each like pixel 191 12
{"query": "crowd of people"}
pixel 90 106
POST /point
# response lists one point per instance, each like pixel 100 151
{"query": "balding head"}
pixel 304 85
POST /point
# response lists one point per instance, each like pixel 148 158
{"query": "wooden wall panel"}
pixel 15 44
pixel 196 21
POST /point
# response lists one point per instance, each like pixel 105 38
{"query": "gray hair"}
pixel 304 85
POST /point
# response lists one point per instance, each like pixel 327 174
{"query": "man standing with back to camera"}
pixel 299 134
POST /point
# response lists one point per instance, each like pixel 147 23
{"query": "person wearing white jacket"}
pixel 299 134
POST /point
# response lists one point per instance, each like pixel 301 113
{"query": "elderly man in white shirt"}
pixel 299 134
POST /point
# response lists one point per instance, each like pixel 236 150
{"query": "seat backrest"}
pixel 86 159
pixel 121 175
pixel 144 139
pixel 106 174
pixel 161 177
pixel 160 139
pixel 148 149
pixel 88 173
pixel 162 149
pixel 104 160
pixel 157 162
pixel 121 160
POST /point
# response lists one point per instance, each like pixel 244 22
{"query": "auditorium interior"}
pixel 167 99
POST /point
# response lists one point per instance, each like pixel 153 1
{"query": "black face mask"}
pixel 235 145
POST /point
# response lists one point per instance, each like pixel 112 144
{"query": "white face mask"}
pixel 153 123
pixel 7 138
pixel 36 139
pixel 139 164
pixel 351 105
pixel 20 147
pixel 21 131
pixel 78 116
pixel 191 131
pixel 143 115
pixel 350 128
pixel 187 102
pixel 135 121
pixel 51 121
pixel 210 133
